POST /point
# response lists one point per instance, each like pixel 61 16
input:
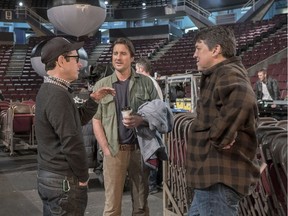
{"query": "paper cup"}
pixel 126 113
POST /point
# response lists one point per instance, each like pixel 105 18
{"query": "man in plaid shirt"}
pixel 221 162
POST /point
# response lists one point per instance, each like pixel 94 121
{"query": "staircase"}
pixel 39 25
pixel 257 10
pixel 163 50
pixel 17 60
pixel 96 53
pixel 197 14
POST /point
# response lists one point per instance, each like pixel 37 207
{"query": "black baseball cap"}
pixel 57 46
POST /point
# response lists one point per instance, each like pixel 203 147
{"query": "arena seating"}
pixel 137 3
pixel 144 48
pixel 26 86
pixel 269 46
pixel 8 4
pixel 253 41
pixel 178 58
pixel 256 41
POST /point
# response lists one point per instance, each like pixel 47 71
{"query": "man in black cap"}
pixel 62 162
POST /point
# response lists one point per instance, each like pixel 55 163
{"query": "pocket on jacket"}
pixel 108 106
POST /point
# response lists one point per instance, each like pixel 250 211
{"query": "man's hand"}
pixel 106 151
pixel 102 92
pixel 83 184
pixel 232 143
pixel 229 145
pixel 132 121
pixel 273 105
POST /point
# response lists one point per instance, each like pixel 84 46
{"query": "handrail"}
pixel 109 11
pixel 248 4
pixel 194 6
pixel 27 12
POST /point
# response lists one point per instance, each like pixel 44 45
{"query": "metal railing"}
pixel 27 13
pixel 195 7
pixel 250 3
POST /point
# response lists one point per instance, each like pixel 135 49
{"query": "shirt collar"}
pixel 58 81
pixel 132 76
pixel 213 68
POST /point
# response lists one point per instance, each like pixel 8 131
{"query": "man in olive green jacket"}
pixel 116 134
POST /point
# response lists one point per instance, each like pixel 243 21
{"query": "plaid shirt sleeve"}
pixel 235 97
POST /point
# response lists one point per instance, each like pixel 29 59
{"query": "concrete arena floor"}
pixel 19 196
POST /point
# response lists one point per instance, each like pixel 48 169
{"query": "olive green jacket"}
pixel 141 90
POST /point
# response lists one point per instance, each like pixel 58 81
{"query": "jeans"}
pixel 217 200
pixel 61 195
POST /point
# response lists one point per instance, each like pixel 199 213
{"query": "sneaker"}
pixel 153 190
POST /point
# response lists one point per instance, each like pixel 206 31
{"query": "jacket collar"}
pixel 133 76
pixel 215 67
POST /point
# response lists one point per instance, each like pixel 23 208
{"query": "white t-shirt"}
pixel 157 87
pixel 266 95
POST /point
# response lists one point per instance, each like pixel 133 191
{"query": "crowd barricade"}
pixel 176 194
pixel 4 106
pixel 17 127
pixel 269 198
pixel 270 194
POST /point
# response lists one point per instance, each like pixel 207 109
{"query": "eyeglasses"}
pixel 77 57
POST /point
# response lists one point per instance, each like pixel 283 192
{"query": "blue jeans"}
pixel 217 200
pixel 61 195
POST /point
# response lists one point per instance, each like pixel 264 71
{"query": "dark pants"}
pixel 61 195
pixel 153 179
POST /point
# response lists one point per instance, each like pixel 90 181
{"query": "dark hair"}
pixel 218 35
pixel 146 64
pixel 52 64
pixel 127 43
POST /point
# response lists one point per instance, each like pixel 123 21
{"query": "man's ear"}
pixel 60 60
pixel 217 50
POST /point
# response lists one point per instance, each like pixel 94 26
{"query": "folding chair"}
pixel 278 150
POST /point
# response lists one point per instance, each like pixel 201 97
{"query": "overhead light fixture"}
pixel 20 4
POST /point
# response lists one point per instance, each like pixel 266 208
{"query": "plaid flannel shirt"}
pixel 227 108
